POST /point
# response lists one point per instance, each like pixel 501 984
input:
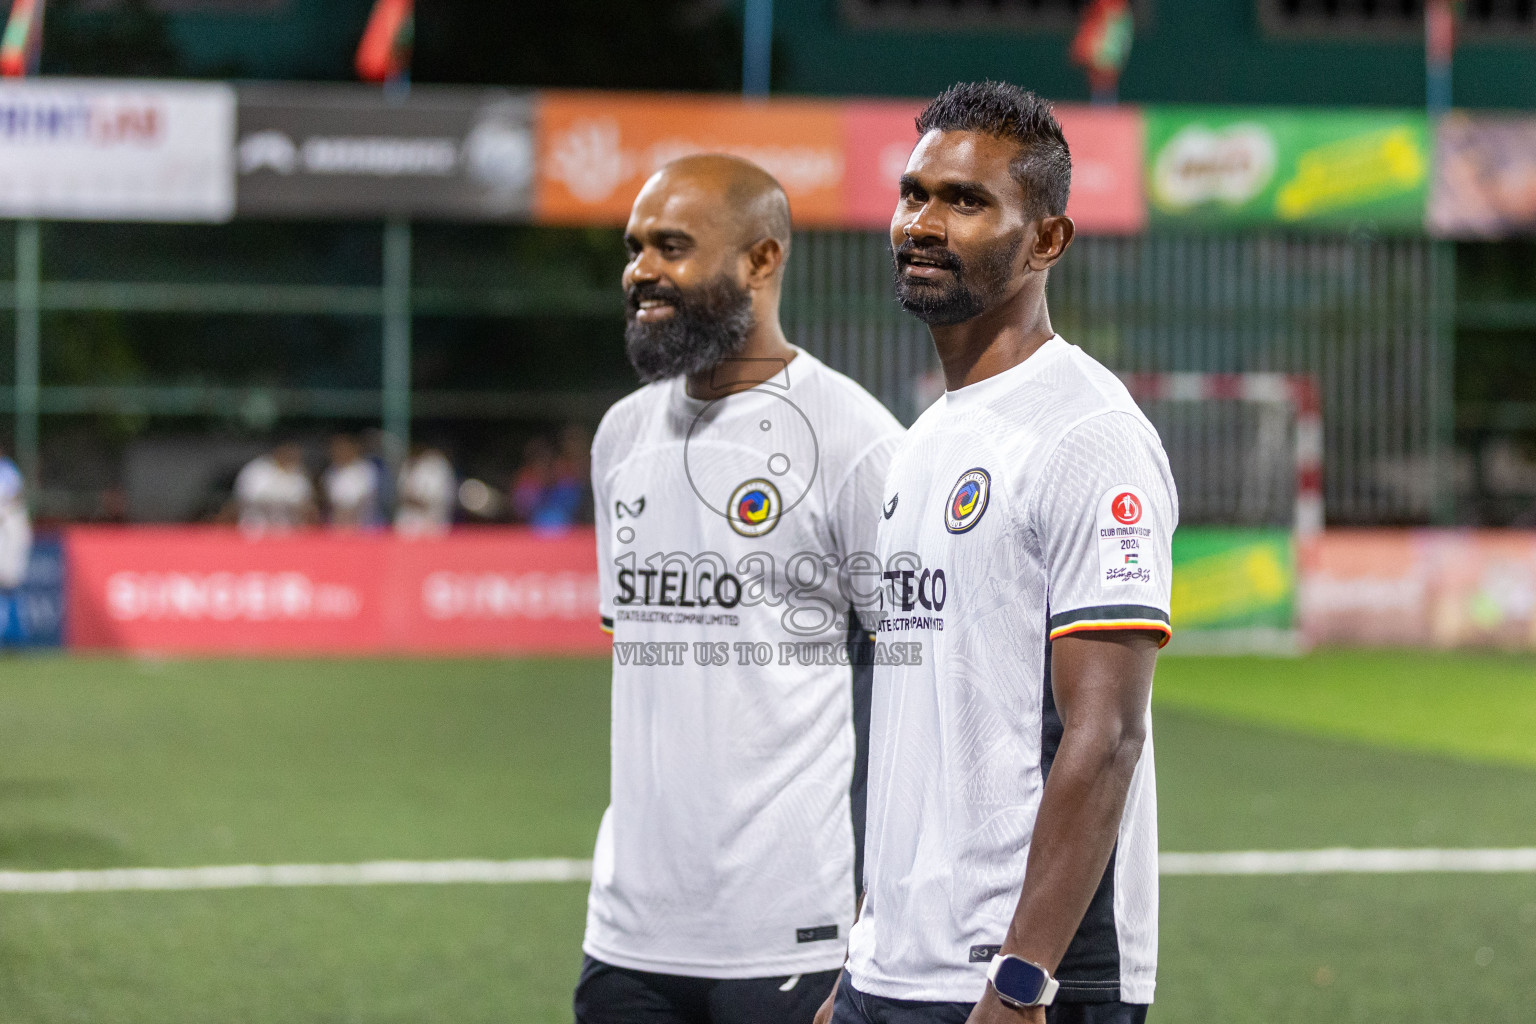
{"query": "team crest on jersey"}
pixel 754 508
pixel 967 501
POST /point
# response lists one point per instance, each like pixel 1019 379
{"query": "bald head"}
pixel 744 195
pixel 707 240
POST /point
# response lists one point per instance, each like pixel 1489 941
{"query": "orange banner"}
pixel 596 149
pixel 1420 588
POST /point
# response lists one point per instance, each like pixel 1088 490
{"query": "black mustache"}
pixel 934 254
pixel 643 292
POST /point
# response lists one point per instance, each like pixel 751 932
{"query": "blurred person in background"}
pixel 15 525
pixel 375 446
pixel 569 499
pixel 425 493
pixel 534 477
pixel 273 493
pixel 552 489
pixel 351 487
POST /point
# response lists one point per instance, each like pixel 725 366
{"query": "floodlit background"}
pixel 265 241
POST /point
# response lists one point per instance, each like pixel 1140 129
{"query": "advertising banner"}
pixel 352 151
pixel 1214 167
pixel 1106 144
pixel 1420 588
pixel 596 149
pixel 192 590
pixel 32 615
pixel 1233 579
pixel 119 151
pixel 1485 177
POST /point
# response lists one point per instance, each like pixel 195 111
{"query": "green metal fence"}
pixel 1369 318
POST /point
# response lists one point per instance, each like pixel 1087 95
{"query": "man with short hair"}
pixel 736 500
pixel 1011 870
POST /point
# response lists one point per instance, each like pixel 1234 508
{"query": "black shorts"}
pixel 617 995
pixel 854 1007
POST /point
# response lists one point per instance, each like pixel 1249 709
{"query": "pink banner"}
pixel 1106 143
pixel 212 591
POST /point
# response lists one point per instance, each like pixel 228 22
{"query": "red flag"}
pixel 22 43
pixel 385 51
pixel 1440 30
pixel 1103 41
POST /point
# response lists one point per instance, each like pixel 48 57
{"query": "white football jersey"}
pixel 725 533
pixel 1027 506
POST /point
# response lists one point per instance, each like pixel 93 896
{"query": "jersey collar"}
pixel 987 389
pixel 691 407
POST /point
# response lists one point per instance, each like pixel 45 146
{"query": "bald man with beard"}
pixel 737 495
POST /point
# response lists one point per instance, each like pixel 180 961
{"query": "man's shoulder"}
pixel 618 430
pixel 1068 390
pixel 835 394
pixel 850 423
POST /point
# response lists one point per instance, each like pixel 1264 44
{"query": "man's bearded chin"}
pixel 970 291
pixel 708 325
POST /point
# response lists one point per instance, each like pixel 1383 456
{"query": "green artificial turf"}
pixel 1349 949
pixel 1231 786
pixel 1469 705
pixel 462 954
pixel 113 762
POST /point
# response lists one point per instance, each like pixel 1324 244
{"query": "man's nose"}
pixel 925 227
pixel 643 269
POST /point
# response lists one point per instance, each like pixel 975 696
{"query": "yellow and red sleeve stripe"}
pixel 1112 616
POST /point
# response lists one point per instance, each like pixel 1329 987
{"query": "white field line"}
pixel 503 872
pixel 1346 861
pixel 250 876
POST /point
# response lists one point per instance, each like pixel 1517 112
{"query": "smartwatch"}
pixel 1019 983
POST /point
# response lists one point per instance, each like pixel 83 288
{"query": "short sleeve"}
pixel 1105 512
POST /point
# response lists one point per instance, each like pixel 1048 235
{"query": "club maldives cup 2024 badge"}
pixel 754 508
pixel 1127 554
pixel 967 501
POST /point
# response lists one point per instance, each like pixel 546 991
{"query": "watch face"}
pixel 1019 980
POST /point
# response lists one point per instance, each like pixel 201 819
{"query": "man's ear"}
pixel 764 259
pixel 1050 242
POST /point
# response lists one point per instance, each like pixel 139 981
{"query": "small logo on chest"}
pixel 754 508
pixel 890 508
pixel 967 500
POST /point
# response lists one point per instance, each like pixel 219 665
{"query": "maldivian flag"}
pixel 385 51
pixel 1103 41
pixel 21 45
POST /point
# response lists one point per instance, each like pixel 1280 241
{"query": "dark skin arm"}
pixel 1102 683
